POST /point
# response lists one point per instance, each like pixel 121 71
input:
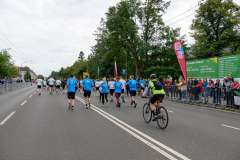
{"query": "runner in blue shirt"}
pixel 142 84
pixel 133 87
pixel 104 91
pixel 87 85
pixel 118 90
pixel 71 84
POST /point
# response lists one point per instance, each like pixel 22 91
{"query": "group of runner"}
pixel 115 85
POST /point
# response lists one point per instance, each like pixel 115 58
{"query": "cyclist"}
pixel 158 93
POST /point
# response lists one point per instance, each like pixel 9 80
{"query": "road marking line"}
pixel 230 127
pixel 23 102
pixel 141 133
pixel 137 136
pixel 5 120
pixel 30 96
pixel 170 111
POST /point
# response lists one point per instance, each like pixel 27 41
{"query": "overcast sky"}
pixel 51 33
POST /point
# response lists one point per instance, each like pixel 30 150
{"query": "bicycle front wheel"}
pixel 147 113
pixel 162 119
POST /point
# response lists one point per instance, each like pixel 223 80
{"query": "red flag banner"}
pixel 178 48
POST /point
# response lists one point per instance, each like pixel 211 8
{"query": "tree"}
pixel 81 56
pixel 215 28
pixel 41 76
pixel 28 76
pixel 6 66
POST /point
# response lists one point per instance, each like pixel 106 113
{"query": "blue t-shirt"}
pixel 118 86
pixel 104 87
pixel 142 83
pixel 71 85
pixel 133 84
pixel 87 84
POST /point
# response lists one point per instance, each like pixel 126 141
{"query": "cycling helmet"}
pixel 153 76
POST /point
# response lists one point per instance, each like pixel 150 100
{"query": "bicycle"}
pixel 162 119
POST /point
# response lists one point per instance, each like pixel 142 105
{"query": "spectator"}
pixel 227 83
pixel 206 90
pixel 0 81
pixel 184 90
pixel 224 88
pixel 211 90
pixel 200 90
pixel 235 84
pixel 231 77
pixel 168 84
pixel 164 81
pixel 170 78
pixel 195 92
pixel 191 89
pixel 179 88
pixel 175 88
pixel 217 87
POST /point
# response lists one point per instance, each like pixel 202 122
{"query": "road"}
pixel 42 128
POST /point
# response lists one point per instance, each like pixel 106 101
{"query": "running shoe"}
pixel 103 105
pixel 119 105
pixel 72 108
pixel 86 107
pixel 69 106
pixel 135 105
pixel 107 104
pixel 89 105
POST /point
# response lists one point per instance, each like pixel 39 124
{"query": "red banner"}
pixel 178 48
pixel 116 68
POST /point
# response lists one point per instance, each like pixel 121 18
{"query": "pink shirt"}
pixel 234 85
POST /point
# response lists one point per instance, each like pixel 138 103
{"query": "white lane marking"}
pixel 141 133
pixel 230 127
pixel 7 118
pixel 23 102
pixel 137 136
pixel 170 111
pixel 30 96
pixel 34 92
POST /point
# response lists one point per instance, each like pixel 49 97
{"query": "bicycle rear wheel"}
pixel 147 114
pixel 162 119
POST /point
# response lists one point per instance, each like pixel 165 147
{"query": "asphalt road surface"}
pixel 36 127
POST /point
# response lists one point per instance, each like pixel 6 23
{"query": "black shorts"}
pixel 97 88
pixel 38 86
pixel 112 91
pixel 44 85
pixel 58 86
pixel 122 90
pixel 132 93
pixel 156 97
pixel 63 87
pixel 51 85
pixel 142 88
pixel 87 93
pixel 71 95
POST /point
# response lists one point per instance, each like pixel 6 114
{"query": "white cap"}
pixel 225 77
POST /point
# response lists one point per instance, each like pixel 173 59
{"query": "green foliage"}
pixel 81 56
pixel 6 66
pixel 41 76
pixel 28 76
pixel 215 28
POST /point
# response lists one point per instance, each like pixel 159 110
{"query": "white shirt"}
pixel 110 84
pixel 58 82
pixel 123 82
pixel 51 81
pixel 39 82
pixel 44 83
pixel 97 84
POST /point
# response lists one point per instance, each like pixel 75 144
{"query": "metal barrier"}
pixel 13 86
pixel 221 96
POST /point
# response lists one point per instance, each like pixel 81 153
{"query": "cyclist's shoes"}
pixel 154 118
pixel 69 106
